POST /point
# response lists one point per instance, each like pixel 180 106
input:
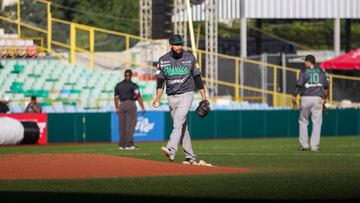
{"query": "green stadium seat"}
pixel 148 96
pixel 75 91
pixel 18 68
pixel 70 83
pixel 46 103
pixel 28 93
pixel 42 93
pixel 17 87
pixel 34 75
pixel 52 79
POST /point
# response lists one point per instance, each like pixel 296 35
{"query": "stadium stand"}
pixel 12 46
pixel 63 87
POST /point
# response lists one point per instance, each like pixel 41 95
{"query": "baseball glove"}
pixel 203 109
pixel 323 102
pixel 293 101
pixel 324 108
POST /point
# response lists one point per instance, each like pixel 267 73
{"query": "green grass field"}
pixel 280 172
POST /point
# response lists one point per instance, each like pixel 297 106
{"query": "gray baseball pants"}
pixel 179 105
pixel 127 123
pixel 310 104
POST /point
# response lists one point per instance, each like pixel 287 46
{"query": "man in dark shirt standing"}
pixel 177 69
pixel 313 86
pixel 127 93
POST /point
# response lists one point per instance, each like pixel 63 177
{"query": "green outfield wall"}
pixel 265 123
pixel 79 127
pixel 100 127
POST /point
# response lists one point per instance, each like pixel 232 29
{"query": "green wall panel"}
pixel 202 128
pixel 273 121
pixel 168 125
pixel 228 124
pixel 330 123
pixel 293 123
pixel 265 123
pixel 347 122
pixel 64 127
pixel 253 123
pixel 79 127
pixel 97 127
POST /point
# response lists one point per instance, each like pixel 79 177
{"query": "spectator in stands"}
pixel 4 108
pixel 33 106
pixel 127 93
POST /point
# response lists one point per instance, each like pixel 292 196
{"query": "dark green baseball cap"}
pixel 128 72
pixel 310 58
pixel 176 39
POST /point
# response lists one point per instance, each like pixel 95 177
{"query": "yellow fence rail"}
pixel 43 101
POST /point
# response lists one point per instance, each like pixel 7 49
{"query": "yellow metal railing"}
pixel 278 98
pixel 23 102
pixel 14 50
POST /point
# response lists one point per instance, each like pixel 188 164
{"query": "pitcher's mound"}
pixel 76 166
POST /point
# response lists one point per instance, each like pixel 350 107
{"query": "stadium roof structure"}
pixel 347 61
pixel 278 9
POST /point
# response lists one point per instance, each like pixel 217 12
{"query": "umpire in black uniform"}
pixel 126 93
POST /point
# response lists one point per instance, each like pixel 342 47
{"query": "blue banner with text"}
pixel 149 127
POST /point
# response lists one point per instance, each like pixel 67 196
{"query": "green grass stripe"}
pixel 280 171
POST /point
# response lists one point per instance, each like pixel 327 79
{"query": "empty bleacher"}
pixel 13 46
pixel 63 87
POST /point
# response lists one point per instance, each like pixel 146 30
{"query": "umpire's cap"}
pixel 176 39
pixel 128 72
pixel 310 58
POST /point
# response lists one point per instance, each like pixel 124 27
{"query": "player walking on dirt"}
pixel 313 87
pixel 178 70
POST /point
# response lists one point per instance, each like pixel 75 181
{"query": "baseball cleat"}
pixel 203 163
pixel 303 149
pixel 133 147
pixel 166 152
pixel 189 161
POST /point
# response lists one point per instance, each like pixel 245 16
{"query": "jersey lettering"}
pixel 177 70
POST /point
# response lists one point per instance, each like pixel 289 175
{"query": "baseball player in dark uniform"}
pixel 313 87
pixel 177 69
pixel 127 93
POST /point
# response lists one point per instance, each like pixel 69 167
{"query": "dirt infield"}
pixel 77 166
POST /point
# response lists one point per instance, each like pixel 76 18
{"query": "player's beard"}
pixel 177 54
pixel 127 78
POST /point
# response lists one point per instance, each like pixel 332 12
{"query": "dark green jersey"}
pixel 312 82
pixel 178 73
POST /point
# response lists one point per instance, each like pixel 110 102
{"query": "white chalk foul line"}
pixel 278 154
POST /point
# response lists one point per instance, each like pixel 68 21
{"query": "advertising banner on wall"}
pixel 40 119
pixel 149 127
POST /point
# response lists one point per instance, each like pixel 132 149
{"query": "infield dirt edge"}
pixel 84 166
